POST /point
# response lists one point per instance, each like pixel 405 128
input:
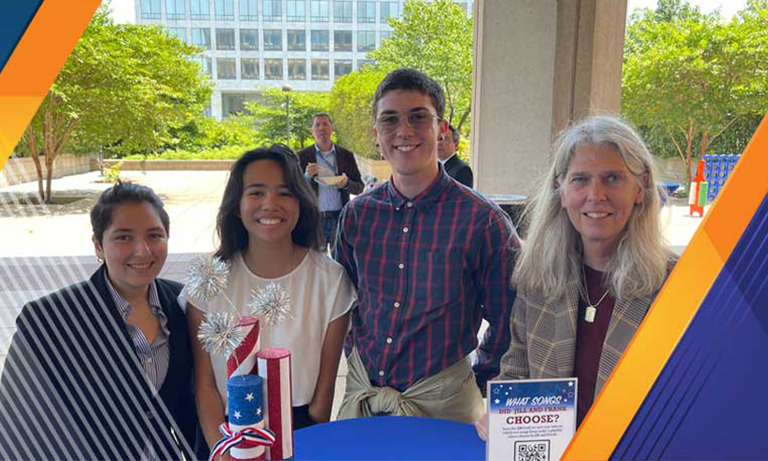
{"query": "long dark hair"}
pixel 232 234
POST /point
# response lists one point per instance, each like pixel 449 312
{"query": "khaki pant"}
pixel 451 394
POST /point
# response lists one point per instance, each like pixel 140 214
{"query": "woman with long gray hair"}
pixel 593 260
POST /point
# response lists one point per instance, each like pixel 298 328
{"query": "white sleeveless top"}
pixel 320 293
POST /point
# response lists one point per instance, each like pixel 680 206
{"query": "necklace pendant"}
pixel 589 315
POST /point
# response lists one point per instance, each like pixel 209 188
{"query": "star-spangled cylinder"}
pixel 275 368
pixel 243 359
pixel 246 409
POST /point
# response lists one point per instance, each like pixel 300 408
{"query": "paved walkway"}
pixel 43 248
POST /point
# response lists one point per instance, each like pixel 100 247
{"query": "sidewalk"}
pixel 44 248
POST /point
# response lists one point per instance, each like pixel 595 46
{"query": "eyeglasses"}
pixel 419 121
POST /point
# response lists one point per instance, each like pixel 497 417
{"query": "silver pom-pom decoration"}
pixel 271 304
pixel 207 277
pixel 220 333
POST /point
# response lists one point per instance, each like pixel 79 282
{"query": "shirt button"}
pixel 397 208
pixel 389 340
pixel 409 204
pixel 405 229
pixel 401 265
pixel 397 304
pixel 149 359
pixel 381 372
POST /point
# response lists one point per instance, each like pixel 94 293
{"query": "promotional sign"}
pixel 530 420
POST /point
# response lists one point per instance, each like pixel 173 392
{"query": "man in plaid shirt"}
pixel 431 259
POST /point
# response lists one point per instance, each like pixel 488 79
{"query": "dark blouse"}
pixel 589 340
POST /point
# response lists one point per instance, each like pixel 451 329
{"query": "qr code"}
pixel 532 450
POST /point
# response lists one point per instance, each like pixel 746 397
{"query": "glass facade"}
pixel 297 40
pixel 366 40
pixel 174 9
pixel 319 10
pixel 342 40
pixel 199 9
pixel 249 69
pixel 150 9
pixel 342 67
pixel 320 40
pixel 273 69
pixel 342 11
pixel 296 10
pixel 201 37
pixel 225 39
pixel 272 10
pixel 249 10
pixel 297 69
pixel 224 10
pixel 366 12
pixel 225 69
pixel 320 69
pixel 273 40
pixel 249 39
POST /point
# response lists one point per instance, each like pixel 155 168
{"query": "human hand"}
pixel 311 170
pixel 344 181
pixel 481 426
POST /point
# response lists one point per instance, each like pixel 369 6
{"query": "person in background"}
pixel 592 263
pixel 326 159
pixel 103 369
pixel 431 259
pixel 447 154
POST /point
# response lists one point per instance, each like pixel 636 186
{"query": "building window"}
pixel 225 69
pixel 364 62
pixel 342 11
pixel 249 39
pixel 366 40
pixel 296 10
pixel 178 32
pixel 204 63
pixel 249 10
pixel 297 69
pixel 200 9
pixel 273 40
pixel 320 69
pixel 224 10
pixel 174 9
pixel 385 34
pixel 319 10
pixel 366 12
pixel 150 9
pixel 319 40
pixel 297 41
pixel 342 40
pixel 249 69
pixel 225 39
pixel 272 10
pixel 273 69
pixel 389 10
pixel 342 67
pixel 201 37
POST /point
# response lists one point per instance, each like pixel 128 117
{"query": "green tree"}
pixel 123 86
pixel 435 38
pixel 270 114
pixel 692 77
pixel 351 100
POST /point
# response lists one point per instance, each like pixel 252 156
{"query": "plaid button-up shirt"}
pixel 427 270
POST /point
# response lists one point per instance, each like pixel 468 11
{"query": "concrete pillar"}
pixel 538 65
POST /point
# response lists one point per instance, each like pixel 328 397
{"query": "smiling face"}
pixel 599 193
pixel 134 247
pixel 411 152
pixel 268 209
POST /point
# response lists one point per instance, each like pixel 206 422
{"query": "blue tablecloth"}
pixel 389 437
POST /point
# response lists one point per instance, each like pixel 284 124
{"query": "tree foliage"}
pixel 123 86
pixel 689 78
pixel 351 100
pixel 435 38
pixel 269 115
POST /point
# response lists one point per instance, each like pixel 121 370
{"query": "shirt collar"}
pixel 426 198
pixel 124 307
pixel 446 160
pixel 319 151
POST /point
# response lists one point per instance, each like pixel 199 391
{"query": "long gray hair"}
pixel 551 256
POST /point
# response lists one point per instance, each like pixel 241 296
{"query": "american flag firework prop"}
pixel 243 359
pixel 245 434
pixel 275 368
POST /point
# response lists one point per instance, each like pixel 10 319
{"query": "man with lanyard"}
pixel 327 160
pixel 431 259
pixel 447 154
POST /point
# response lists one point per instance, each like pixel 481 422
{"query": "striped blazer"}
pixel 543 342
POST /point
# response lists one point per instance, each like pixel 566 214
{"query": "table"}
pixel 389 438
